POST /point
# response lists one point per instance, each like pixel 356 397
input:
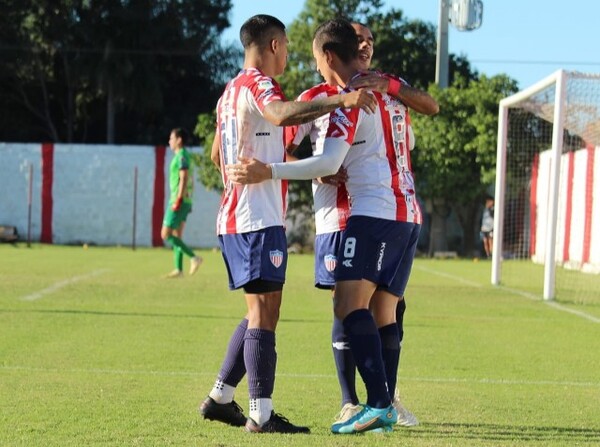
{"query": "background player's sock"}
pixel 176 242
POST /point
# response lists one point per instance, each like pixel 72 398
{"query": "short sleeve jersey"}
pixel 331 204
pixel 245 132
pixel 380 178
pixel 181 161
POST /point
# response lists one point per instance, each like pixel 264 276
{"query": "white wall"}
pixel 93 195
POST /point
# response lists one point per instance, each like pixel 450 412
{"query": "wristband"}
pixel 393 87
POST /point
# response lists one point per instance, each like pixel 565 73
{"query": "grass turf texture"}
pixel 97 349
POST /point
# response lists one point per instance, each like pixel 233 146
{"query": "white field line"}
pixel 527 295
pixel 125 372
pixel 60 284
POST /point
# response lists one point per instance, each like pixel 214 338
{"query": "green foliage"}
pixel 208 174
pixel 455 155
pixel 71 67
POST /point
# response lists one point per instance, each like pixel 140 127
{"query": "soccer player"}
pixel 250 221
pixel 379 242
pixel 332 209
pixel 181 187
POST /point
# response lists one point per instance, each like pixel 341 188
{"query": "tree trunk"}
pixel 110 114
pixel 439 212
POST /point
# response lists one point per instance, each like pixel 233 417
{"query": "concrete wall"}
pixel 85 193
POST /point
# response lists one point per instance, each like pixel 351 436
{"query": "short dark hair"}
pixel 259 30
pixel 339 37
pixel 180 132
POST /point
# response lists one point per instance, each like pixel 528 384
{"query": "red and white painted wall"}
pixel 578 226
pixel 85 194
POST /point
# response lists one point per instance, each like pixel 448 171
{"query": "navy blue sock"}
pixel 233 368
pixel 344 363
pixel 366 348
pixel 390 351
pixel 260 359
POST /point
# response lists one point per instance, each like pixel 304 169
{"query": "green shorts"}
pixel 173 219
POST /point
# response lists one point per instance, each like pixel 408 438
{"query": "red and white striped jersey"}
pixel 331 204
pixel 380 178
pixel 245 132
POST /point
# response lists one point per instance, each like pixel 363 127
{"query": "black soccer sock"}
pixel 390 351
pixel 233 368
pixel 260 359
pixel 344 363
pixel 366 348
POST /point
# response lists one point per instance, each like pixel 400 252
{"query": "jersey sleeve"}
pixel 182 162
pixel 295 134
pixel 265 91
pixel 343 124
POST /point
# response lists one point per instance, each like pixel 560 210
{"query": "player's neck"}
pixel 345 74
pixel 254 59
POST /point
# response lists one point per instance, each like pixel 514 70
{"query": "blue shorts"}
pixel 326 249
pixel 378 250
pixel 255 255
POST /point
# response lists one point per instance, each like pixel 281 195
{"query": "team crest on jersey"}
pixel 330 262
pixel 265 85
pixel 276 257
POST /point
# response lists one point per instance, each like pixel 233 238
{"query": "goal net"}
pixel 547 207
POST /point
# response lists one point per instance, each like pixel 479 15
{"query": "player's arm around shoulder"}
pixel 418 100
pixel 286 113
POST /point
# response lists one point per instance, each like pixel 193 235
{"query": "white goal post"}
pixel 550 127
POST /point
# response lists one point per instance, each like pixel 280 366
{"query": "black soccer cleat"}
pixel 230 413
pixel 276 424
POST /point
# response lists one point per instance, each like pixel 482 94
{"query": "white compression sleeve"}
pixel 327 163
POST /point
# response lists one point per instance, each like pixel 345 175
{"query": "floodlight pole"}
pixel 441 59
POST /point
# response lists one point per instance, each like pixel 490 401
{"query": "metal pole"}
pixel 29 201
pixel 557 146
pixel 441 60
pixel 135 182
pixel 499 193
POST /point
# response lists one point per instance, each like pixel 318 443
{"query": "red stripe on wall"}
pixel 533 204
pixel 589 203
pixel 158 206
pixel 569 205
pixel 47 180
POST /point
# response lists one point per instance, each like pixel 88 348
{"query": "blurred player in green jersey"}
pixel 181 187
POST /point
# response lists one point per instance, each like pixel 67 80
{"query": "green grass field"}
pixel 96 349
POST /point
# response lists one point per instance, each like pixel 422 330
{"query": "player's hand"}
pixel 336 179
pixel 360 99
pixel 371 81
pixel 177 204
pixel 249 170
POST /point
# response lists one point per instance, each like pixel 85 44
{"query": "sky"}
pixel 526 39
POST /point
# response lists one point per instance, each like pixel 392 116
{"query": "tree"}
pixel 455 154
pixel 110 70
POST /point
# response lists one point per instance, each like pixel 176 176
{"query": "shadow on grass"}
pixel 497 432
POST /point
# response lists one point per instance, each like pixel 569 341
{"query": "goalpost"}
pixel 547 195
